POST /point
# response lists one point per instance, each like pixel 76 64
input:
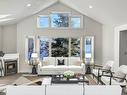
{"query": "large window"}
pixel 60 47
pixel 59 20
pixel 75 47
pixel 44 47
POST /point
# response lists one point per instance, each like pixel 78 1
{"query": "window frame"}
pixel 26 47
pixel 92 49
pixel 81 21
pixel 44 16
pixel 70 15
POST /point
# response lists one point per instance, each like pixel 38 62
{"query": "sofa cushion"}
pixel 106 67
pixel 73 60
pixel 106 80
pixel 50 60
pixel 119 74
pixel 78 63
pixel 45 63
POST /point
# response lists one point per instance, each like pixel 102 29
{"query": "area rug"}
pixel 21 81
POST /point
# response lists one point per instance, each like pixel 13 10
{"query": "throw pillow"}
pixel 120 75
pixel 61 62
pixel 45 63
pixel 77 63
pixel 106 67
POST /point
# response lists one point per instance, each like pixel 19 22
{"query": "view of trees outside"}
pixel 59 20
pixel 44 47
pixel 30 47
pixel 60 47
pixel 75 47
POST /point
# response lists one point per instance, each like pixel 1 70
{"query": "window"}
pixel 59 20
pixel 75 22
pixel 75 47
pixel 60 47
pixel 43 22
pixel 29 47
pixel 44 47
pixel 89 50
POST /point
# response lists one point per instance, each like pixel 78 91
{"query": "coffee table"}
pixel 60 79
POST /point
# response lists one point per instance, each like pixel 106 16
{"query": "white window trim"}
pixel 81 21
pixel 92 48
pixel 45 16
pixel 26 47
pixel 70 15
pixel 50 49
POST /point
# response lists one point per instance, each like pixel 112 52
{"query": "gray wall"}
pixel 93 28
pixel 29 27
pixel 107 43
pixel 9 38
pixel 123 48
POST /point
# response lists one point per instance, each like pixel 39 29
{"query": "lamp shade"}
pixel 34 55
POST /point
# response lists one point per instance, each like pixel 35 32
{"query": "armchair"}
pixel 115 78
pixel 98 70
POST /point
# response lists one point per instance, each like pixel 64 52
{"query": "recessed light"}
pixel 90 6
pixel 4 16
pixel 28 5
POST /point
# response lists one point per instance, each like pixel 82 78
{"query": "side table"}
pixel 88 68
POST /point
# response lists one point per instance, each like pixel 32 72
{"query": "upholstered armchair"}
pixel 98 70
pixel 116 78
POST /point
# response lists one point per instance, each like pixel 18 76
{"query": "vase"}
pixel 67 79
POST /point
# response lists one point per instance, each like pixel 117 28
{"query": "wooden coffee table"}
pixel 60 79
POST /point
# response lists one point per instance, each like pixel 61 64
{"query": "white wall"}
pixel 9 38
pixel 108 43
pixel 29 27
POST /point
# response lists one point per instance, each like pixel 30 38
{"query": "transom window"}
pixel 59 20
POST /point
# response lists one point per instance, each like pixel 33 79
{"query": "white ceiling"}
pixel 111 12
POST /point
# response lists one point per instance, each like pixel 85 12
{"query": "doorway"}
pixel 123 48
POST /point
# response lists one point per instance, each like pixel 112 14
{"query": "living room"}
pixel 47 40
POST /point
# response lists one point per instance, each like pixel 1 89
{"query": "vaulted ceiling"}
pixel 110 12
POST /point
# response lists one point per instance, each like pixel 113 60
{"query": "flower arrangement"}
pixel 68 74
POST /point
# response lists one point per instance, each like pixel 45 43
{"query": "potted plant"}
pixel 68 74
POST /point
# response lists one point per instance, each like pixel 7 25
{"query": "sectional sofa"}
pixel 50 65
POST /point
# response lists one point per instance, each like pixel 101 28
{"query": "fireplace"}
pixel 10 67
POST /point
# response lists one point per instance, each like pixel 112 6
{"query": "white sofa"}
pixel 68 89
pixel 54 68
